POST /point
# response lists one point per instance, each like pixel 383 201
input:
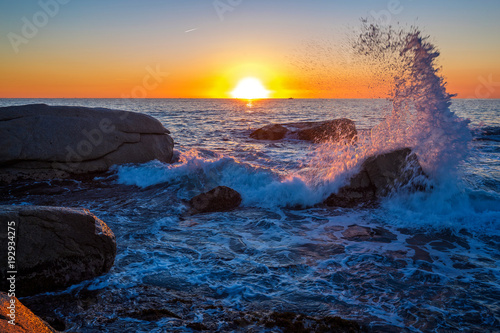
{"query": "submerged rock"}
pixel 380 175
pixel 331 130
pixel 110 310
pixel 44 142
pixel 359 233
pixel 25 321
pixel 55 247
pixel 220 199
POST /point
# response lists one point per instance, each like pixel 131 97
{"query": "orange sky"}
pixel 97 50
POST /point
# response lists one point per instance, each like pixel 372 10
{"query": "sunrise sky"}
pixel 203 48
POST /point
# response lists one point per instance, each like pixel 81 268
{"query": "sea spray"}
pixel 420 118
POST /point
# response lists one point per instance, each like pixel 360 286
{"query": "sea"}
pixel 425 261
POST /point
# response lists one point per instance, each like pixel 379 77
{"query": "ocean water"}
pixel 430 262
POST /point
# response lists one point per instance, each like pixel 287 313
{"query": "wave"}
pixel 420 118
pixel 259 187
pixel 489 133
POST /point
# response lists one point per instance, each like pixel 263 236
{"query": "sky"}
pixel 203 48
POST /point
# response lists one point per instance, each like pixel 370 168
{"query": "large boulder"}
pixel 16 318
pixel 220 199
pixel 331 130
pixel 54 247
pixel 43 142
pixel 378 176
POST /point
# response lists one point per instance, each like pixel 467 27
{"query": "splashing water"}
pixel 360 264
pixel 420 117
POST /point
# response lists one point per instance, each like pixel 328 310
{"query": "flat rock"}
pixel 220 199
pixel 25 320
pixel 55 247
pixel 44 142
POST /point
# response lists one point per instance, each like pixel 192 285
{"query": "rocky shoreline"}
pixel 59 247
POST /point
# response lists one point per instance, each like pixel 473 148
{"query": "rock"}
pixel 380 175
pixel 331 130
pixel 25 320
pixel 44 142
pixel 270 132
pixel 358 233
pixel 219 199
pixel 55 247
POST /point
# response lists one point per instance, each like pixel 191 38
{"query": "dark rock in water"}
pixel 380 175
pixel 220 199
pixel 25 320
pixel 293 322
pixel 109 310
pixel 270 132
pixel 46 142
pixel 55 247
pixel 331 130
pixel 150 314
pixel 359 233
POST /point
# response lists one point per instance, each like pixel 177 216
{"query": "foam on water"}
pixel 259 187
pixel 420 118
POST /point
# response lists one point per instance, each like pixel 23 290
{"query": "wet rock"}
pixel 421 254
pixel 441 241
pixel 378 176
pixel 46 142
pixel 462 262
pixel 319 251
pixel 270 132
pixel 293 322
pixel 55 247
pixel 150 314
pixel 358 233
pixel 331 130
pixel 220 199
pixel 25 320
pixel 110 310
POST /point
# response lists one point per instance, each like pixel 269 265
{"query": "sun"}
pixel 250 88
